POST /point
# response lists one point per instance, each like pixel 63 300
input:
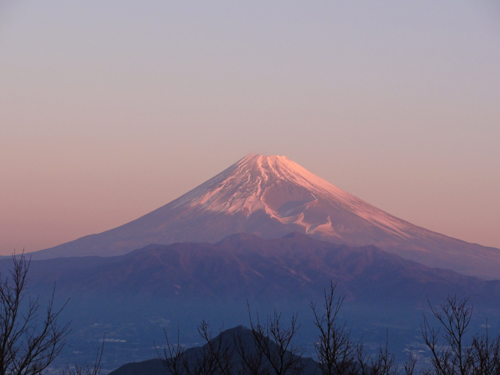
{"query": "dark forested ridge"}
pixel 242 266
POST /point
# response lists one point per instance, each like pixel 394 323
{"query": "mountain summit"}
pixel 272 196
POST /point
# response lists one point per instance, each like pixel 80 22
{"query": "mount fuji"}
pixel 271 196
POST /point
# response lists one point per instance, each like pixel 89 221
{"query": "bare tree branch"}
pixel 275 344
pixel 27 345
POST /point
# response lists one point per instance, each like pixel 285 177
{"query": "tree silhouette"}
pixel 30 339
pixel 451 354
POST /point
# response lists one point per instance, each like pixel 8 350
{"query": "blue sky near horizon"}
pixel 109 110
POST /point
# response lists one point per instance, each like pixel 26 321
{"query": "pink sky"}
pixel 109 110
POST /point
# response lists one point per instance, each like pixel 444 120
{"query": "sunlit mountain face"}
pixel 271 196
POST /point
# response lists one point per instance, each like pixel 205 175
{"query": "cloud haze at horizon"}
pixel 110 110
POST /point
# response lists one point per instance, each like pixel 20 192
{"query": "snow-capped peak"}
pixel 285 191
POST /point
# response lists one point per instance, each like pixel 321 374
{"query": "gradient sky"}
pixel 110 109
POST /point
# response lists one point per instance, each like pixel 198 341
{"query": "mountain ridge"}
pixel 271 196
pixel 244 266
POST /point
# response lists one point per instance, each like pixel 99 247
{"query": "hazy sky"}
pixel 110 109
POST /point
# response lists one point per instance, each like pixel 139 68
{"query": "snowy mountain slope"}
pixel 271 196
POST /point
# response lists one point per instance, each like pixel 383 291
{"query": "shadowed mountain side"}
pixel 243 266
pixel 271 196
pixel 155 366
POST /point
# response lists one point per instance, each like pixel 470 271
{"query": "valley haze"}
pixel 133 297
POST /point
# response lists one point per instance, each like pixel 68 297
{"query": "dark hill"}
pixel 225 343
